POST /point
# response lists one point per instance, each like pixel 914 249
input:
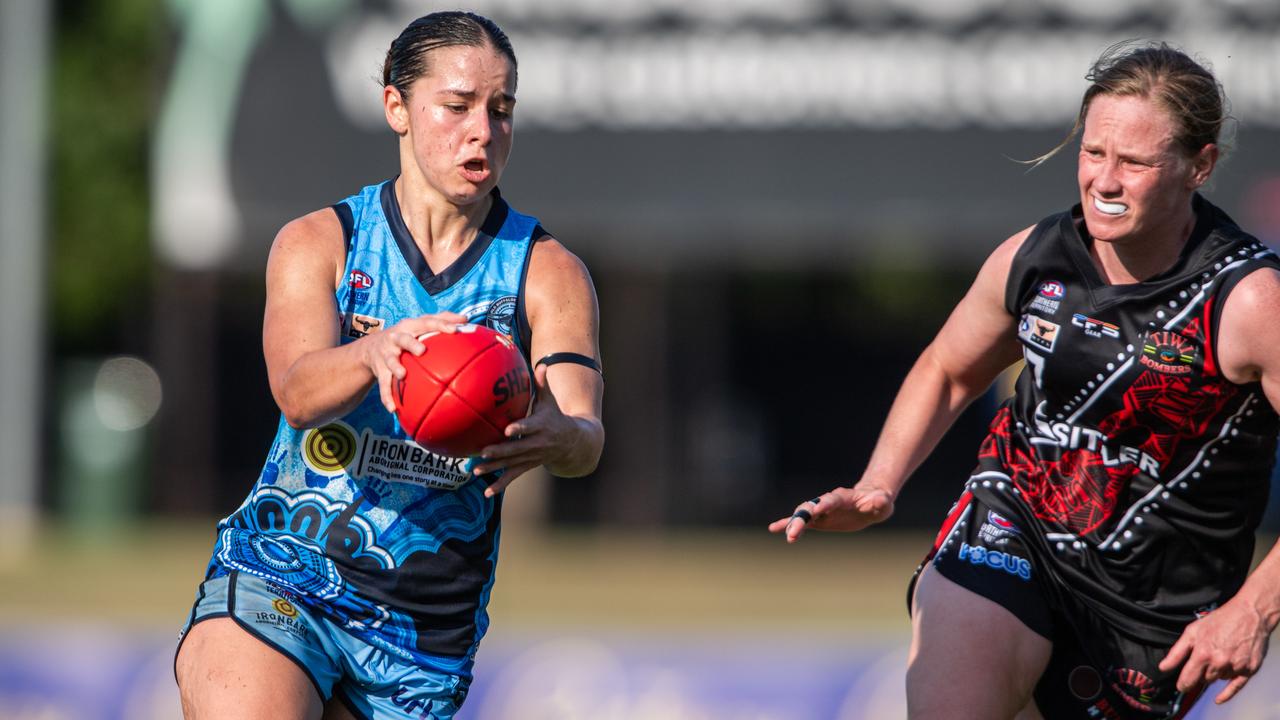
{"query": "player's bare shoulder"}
pixel 988 288
pixel 550 256
pixel 557 276
pixel 1248 333
pixel 1259 291
pixel 1004 253
pixel 311 243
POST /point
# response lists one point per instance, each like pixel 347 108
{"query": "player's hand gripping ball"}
pixel 462 391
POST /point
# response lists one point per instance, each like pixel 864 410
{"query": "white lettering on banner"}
pixel 623 79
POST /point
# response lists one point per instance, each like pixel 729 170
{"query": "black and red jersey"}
pixel 1141 471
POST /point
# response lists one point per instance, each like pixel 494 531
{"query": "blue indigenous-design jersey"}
pixel 394 543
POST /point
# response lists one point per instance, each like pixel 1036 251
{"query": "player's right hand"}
pixel 842 509
pixel 382 349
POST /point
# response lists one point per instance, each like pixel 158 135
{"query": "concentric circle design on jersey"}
pixel 280 560
pixel 275 555
pixel 330 448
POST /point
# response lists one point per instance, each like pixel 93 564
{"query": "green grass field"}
pixel 584 621
pixel 146 576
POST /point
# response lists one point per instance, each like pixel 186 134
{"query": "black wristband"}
pixel 570 357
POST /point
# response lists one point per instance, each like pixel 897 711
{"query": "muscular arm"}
pixel 1231 641
pixel 313 378
pixel 975 344
pixel 564 432
pixel 565 317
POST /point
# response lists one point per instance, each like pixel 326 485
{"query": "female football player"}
pixel 1096 564
pixel 348 587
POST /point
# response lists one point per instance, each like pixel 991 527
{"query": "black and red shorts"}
pixel 1096 670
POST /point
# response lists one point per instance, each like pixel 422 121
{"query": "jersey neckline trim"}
pixel 436 283
pixel 1103 291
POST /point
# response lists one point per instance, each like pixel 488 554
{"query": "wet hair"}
pixel 1191 95
pixel 407 57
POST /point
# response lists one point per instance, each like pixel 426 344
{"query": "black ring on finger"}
pixel 816 500
pixel 804 515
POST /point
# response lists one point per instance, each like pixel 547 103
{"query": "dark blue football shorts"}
pixel 1096 670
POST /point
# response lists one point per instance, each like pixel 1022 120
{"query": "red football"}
pixel 462 391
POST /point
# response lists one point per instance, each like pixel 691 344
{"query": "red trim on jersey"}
pixel 1210 354
pixel 952 518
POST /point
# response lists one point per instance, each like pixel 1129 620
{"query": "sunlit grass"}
pixel 146 576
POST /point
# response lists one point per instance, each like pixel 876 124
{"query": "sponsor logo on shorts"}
pixel 1094 327
pixel 416 707
pixel 281 590
pixel 284 618
pixel 284 607
pixel 1049 297
pixel 1168 353
pixel 1001 521
pixel 356 325
pixel 997 529
pixel 1038 332
pixel 1136 688
pixel 996 559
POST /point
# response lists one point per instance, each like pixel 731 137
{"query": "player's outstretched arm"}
pixel 564 432
pixel 1230 642
pixel 313 378
pixel 975 344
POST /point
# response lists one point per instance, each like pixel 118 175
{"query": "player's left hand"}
pixel 843 510
pixel 546 435
pixel 1227 644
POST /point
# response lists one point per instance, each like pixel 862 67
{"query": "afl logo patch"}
pixel 501 315
pixel 997 529
pixel 1049 297
pixel 1168 353
pixel 1001 521
pixel 360 280
pixel 1053 290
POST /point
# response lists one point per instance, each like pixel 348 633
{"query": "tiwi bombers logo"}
pixel 1168 353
